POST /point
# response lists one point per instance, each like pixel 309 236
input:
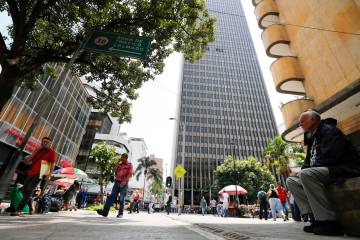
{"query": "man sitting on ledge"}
pixel 330 158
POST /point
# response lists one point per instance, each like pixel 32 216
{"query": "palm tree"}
pixel 276 158
pixel 148 168
pixel 278 155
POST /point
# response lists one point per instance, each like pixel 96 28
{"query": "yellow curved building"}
pixel 316 44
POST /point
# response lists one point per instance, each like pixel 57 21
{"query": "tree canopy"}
pixel 248 173
pixel 44 31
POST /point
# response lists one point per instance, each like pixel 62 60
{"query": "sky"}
pixel 157 101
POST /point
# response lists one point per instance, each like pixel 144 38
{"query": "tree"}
pixel 50 31
pixel 278 155
pixel 148 168
pixel 104 156
pixel 157 188
pixel 248 173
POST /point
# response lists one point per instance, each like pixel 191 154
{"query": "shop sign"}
pixel 31 145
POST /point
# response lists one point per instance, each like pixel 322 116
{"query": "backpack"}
pixel 262 195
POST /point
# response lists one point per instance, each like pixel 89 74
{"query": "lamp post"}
pixel 235 175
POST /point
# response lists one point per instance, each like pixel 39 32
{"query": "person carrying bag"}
pixel 36 173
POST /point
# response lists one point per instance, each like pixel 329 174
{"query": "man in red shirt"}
pixel 123 171
pixel 283 199
pixel 45 153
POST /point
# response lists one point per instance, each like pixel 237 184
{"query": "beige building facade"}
pixel 316 46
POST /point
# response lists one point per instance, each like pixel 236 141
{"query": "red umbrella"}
pixel 233 189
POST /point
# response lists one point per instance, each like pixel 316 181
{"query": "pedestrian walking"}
pixel 180 205
pixel 330 158
pixel 295 212
pixel 225 205
pixel 219 209
pixel 123 171
pixel 42 156
pixel 263 203
pixel 203 205
pixel 283 199
pixel 275 203
pixel 134 205
pixel 213 206
pixel 168 201
pixel 151 204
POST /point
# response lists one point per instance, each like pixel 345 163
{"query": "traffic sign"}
pixel 118 44
pixel 179 171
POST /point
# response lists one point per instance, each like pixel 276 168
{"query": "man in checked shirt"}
pixel 330 158
pixel 123 171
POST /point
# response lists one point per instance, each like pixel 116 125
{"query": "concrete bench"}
pixel 346 201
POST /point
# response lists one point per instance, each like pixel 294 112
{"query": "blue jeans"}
pixel 111 199
pixel 285 208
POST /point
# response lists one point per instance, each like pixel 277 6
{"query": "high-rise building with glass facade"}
pixel 224 108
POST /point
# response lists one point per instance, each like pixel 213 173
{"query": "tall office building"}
pixel 224 107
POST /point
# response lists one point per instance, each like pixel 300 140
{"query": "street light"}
pixel 235 175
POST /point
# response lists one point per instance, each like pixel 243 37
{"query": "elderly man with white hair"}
pixel 330 158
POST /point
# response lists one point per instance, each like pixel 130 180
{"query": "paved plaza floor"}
pixel 88 225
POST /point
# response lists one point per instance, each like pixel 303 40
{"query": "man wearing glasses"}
pixel 44 153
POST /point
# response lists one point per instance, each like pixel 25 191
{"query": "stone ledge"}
pixel 346 201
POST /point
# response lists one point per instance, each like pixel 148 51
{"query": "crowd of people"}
pixel 330 159
pixel 276 201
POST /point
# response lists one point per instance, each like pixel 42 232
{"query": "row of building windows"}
pixel 239 112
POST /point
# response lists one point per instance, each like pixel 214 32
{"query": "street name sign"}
pixel 179 171
pixel 118 44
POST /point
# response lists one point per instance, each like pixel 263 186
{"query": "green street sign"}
pixel 118 44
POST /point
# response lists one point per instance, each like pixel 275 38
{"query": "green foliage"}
pixel 50 32
pixel 96 207
pixel 157 188
pixel 151 172
pixel 248 173
pixel 278 154
pixel 104 156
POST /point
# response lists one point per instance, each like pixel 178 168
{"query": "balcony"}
pixel 288 76
pixel 267 14
pixel 292 110
pixel 276 41
pixel 256 2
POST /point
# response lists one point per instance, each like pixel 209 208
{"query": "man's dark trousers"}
pixel 30 184
pixel 263 210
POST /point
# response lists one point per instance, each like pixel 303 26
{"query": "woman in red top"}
pixel 283 199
